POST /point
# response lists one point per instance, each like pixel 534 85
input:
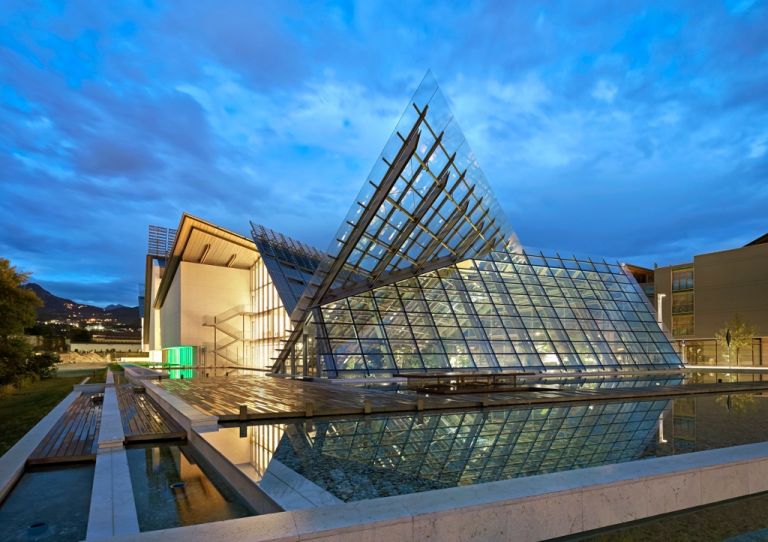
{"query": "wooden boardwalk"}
pixel 74 437
pixel 277 398
pixel 143 420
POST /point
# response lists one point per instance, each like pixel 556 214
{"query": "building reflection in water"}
pixel 375 456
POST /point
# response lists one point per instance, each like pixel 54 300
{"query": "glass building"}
pixel 425 274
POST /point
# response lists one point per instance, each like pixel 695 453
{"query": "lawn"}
pixel 22 408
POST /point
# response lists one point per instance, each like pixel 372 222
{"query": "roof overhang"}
pixel 759 241
pixel 198 241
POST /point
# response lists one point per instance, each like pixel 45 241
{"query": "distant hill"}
pixel 59 308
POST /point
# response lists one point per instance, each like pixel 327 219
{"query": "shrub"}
pixel 42 364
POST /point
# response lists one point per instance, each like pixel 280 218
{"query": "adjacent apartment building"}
pixel 703 298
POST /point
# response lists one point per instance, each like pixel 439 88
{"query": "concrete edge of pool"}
pixel 534 508
pixel 13 462
pixel 113 510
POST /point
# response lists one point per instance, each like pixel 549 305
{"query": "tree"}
pixel 740 334
pixel 80 335
pixel 18 306
pixel 43 364
pixel 17 311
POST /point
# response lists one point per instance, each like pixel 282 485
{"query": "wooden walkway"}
pixel 277 398
pixel 143 420
pixel 74 438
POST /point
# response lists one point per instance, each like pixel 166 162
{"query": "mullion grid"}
pixel 556 316
pixel 605 270
pixel 581 296
pixel 407 319
pixel 364 253
pixel 478 182
pixel 356 339
pixel 535 310
pixel 451 302
pixel 536 455
pixel 451 448
pixel 580 320
pixel 449 453
pixel 510 443
pixel 481 280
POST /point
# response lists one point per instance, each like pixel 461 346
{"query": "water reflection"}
pixel 711 421
pixel 171 490
pixel 375 456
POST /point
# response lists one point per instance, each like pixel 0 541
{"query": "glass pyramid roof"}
pixel 425 204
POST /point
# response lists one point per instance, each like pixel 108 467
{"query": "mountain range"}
pixel 59 308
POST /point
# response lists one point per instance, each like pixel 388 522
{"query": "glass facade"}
pixel 510 311
pixel 682 279
pixel 709 352
pixel 426 199
pixel 179 361
pixel 281 274
pixel 270 321
pixel 290 263
pixel 424 274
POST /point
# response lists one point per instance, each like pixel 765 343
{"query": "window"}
pixel 682 324
pixel 682 303
pixel 682 279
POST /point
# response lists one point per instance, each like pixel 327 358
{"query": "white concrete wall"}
pixel 207 291
pixel 154 314
pixel 170 315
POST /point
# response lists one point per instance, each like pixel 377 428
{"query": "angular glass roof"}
pixel 425 203
pixel 290 263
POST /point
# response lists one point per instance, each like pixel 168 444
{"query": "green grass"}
pixel 99 376
pixel 22 408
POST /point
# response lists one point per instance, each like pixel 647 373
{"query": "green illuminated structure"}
pixel 178 357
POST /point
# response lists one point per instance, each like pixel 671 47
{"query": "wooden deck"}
pixel 276 398
pixel 143 420
pixel 74 438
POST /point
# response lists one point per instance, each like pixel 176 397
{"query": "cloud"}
pixel 604 91
pixel 631 131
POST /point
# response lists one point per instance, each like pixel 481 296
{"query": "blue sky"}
pixel 627 130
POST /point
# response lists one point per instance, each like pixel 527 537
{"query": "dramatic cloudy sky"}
pixel 618 129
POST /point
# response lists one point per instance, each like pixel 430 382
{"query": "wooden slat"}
pixel 143 420
pixel 276 398
pixel 74 437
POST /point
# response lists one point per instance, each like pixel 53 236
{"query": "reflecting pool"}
pixel 374 456
pixel 48 504
pixel 171 490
